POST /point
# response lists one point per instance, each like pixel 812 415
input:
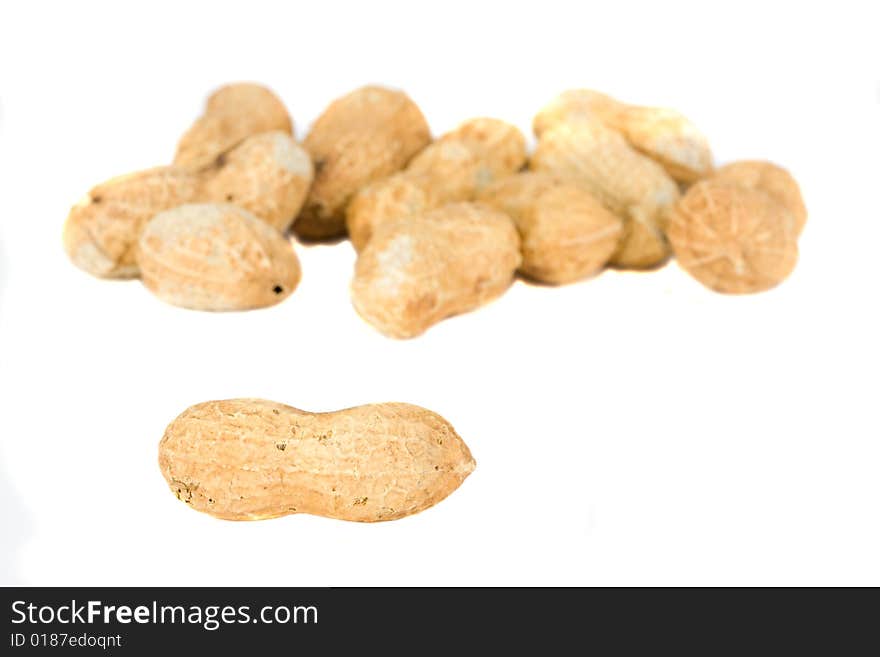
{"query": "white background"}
pixel 632 429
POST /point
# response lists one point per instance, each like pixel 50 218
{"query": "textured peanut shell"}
pixel 360 138
pixel 216 257
pixel 733 239
pixel 575 106
pixel 251 459
pixel 632 186
pixel 268 174
pixel 232 114
pixel 453 168
pixel 771 179
pixel 668 137
pixel 101 231
pixel 662 134
pixel 417 271
pixel 566 233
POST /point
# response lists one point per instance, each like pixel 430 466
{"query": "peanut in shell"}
pixel 771 179
pixel 232 114
pixel 566 233
pixel 455 167
pixel 361 137
pixel 417 271
pixel 268 174
pixel 630 185
pixel 733 239
pixel 216 257
pixel 252 459
pixel 665 135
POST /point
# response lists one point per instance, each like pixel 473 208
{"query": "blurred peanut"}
pixel 216 257
pixel 453 168
pixel 566 233
pixel 268 174
pixel 662 134
pixel 232 114
pixel 732 238
pixel 415 272
pixel 632 186
pixel 361 137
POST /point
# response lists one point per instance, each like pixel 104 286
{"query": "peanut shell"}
pixel 216 257
pixel 566 233
pixel 362 137
pixel 232 114
pixel 662 134
pixel 417 271
pixel 252 459
pixel 771 179
pixel 632 186
pixel 101 231
pixel 453 168
pixel 268 174
pixel 733 239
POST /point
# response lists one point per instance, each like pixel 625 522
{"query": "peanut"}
pixel 732 238
pixel 632 186
pixel 662 134
pixel 566 233
pixel 414 272
pixel 216 257
pixel 268 174
pixel 101 231
pixel 232 114
pixel 453 168
pixel 771 179
pixel 251 459
pixel 362 137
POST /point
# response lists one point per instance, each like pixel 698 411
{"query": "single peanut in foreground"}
pixel 268 174
pixel 361 137
pixel 662 134
pixel 252 459
pixel 232 114
pixel 631 185
pixel 216 257
pixel 733 239
pixel 417 271
pixel 566 233
pixel 455 167
pixel 770 179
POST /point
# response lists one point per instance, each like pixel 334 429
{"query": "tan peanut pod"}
pixel 101 231
pixel 662 134
pixel 632 186
pixel 566 233
pixel 252 459
pixel 216 257
pixel 417 271
pixel 268 174
pixel 733 239
pixel 575 106
pixel 453 168
pixel 771 179
pixel 390 199
pixel 668 137
pixel 232 114
pixel 366 135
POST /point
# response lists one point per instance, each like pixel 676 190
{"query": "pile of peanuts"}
pixel 440 226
